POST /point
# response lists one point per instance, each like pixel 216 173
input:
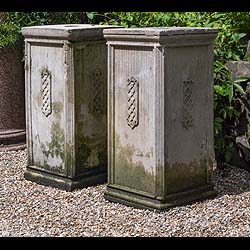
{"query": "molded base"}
pixel 115 194
pixel 14 139
pixel 62 182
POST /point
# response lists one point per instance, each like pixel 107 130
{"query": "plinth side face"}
pixel 46 106
pixel 188 139
pixel 91 106
pixel 133 128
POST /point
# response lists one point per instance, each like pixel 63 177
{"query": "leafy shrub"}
pixel 239 21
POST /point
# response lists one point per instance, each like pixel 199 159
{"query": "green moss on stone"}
pixel 129 173
pixel 56 144
pixel 184 176
pixel 83 151
pixel 57 108
pixel 102 155
pixel 53 148
pixel 91 150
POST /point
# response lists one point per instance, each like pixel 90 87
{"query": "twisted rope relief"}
pixel 187 120
pixel 133 102
pixel 97 88
pixel 46 92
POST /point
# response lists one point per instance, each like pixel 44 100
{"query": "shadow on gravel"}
pixel 231 180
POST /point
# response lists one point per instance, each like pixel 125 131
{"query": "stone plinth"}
pixel 66 74
pixel 12 103
pixel 160 115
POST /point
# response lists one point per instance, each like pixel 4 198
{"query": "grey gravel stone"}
pixel 33 210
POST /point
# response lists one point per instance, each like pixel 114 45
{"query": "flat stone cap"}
pixel 160 31
pixel 73 32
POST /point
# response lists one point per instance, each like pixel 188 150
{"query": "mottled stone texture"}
pixel 66 75
pixel 160 115
pixel 12 103
pixel 239 69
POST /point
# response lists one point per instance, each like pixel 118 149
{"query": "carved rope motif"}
pixel 46 92
pixel 187 120
pixel 133 102
pixel 97 102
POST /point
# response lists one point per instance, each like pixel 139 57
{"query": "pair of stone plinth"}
pixel 138 100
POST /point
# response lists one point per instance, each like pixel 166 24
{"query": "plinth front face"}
pixel 132 123
pixel 66 107
pixel 46 107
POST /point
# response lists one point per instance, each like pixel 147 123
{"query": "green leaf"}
pixel 224 113
pixel 90 15
pixel 218 89
pixel 217 127
pixel 239 88
pixel 218 120
pixel 130 18
pixel 230 92
pixel 241 79
pixel 218 15
pixel 236 112
pixel 236 57
pixel 238 36
pixel 230 111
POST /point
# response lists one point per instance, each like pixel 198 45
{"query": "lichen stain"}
pixel 91 150
pixel 55 148
pixel 56 145
pixel 57 108
pixel 83 150
pixel 185 176
pixel 129 173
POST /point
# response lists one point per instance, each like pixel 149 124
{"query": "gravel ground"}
pixel 30 209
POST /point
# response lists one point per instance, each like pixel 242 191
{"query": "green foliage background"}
pixel 230 44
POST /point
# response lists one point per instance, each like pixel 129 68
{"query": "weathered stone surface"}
pixel 70 32
pixel 66 74
pixel 160 109
pixel 239 69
